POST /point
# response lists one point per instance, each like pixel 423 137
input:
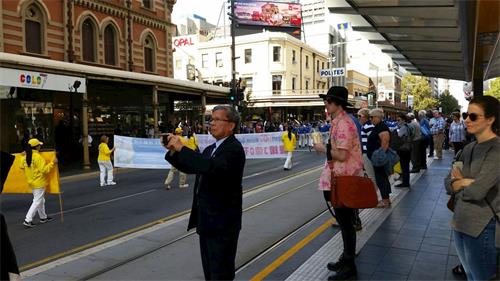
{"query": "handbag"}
pixel 352 191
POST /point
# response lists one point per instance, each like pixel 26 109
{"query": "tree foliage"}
pixel 419 88
pixel 448 103
pixel 494 90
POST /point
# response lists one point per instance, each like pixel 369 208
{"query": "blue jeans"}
pixel 478 254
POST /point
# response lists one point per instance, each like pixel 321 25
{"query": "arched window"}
pixel 149 54
pixel 33 30
pixel 88 41
pixel 110 45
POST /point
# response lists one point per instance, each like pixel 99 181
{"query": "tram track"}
pixel 178 216
pixel 192 232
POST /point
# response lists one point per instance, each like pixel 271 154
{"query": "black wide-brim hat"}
pixel 337 93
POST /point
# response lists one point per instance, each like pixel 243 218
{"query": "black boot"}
pixel 336 266
pixel 347 272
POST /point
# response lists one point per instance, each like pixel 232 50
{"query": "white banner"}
pixel 150 154
pixel 40 80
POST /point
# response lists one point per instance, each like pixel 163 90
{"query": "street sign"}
pixel 332 72
pixel 410 100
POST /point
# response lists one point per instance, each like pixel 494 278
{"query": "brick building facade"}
pixel 76 68
pixel 133 35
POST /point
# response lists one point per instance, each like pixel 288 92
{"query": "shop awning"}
pixel 166 84
pixel 436 38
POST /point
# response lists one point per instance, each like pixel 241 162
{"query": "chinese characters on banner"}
pixel 150 154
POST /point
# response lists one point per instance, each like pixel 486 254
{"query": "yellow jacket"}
pixel 104 152
pixel 289 144
pixel 36 174
pixel 191 143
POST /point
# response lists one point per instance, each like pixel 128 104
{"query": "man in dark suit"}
pixel 217 201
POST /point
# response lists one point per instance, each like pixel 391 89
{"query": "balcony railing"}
pixel 299 92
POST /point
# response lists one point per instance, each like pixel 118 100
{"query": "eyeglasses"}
pixel 473 116
pixel 218 120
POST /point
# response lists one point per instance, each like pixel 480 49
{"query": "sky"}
pixel 208 9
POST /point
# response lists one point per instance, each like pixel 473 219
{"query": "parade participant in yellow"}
pixel 36 171
pixel 104 160
pixel 289 142
pixel 192 142
pixel 173 170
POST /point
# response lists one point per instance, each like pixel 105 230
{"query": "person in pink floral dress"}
pixel 343 152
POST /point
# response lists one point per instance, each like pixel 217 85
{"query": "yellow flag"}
pixel 16 180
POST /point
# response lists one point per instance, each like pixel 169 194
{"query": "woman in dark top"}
pixel 379 138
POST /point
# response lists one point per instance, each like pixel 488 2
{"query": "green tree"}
pixel 448 103
pixel 419 88
pixel 494 90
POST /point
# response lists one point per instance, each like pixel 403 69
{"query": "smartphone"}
pixel 164 139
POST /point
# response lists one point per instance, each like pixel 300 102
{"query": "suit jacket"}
pixel 217 199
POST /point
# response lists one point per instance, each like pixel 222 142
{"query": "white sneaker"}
pixel 103 185
pixel 183 185
pixel 111 183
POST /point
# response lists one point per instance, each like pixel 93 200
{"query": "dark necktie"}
pixel 210 150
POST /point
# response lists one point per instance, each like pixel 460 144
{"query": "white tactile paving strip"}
pixel 314 269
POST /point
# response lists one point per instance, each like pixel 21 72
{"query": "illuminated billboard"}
pixel 267 13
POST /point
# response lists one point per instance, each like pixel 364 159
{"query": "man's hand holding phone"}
pixel 172 142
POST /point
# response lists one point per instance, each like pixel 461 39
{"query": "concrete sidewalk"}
pixel 410 241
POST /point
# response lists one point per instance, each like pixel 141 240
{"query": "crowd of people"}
pixel 354 142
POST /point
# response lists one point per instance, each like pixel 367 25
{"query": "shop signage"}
pixel 40 80
pixel 185 41
pixel 332 72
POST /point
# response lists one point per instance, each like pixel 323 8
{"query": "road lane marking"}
pixel 290 252
pixel 267 171
pixel 102 202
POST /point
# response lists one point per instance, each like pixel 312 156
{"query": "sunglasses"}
pixel 473 116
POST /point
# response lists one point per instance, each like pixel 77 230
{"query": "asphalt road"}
pixel 92 213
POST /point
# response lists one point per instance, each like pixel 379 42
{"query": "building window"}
pixel 147 4
pixel 323 65
pixel 33 30
pixel 277 84
pixel 89 41
pixel 110 45
pixel 149 54
pixel 248 55
pixel 294 80
pixel 204 60
pixel 218 60
pixel 307 61
pixel 294 56
pixel 276 54
pixel 249 84
pixel 307 85
pixel 317 66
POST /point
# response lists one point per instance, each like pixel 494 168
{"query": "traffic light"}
pixel 240 94
pixel 232 97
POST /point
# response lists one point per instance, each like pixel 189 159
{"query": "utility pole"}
pixel 233 53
